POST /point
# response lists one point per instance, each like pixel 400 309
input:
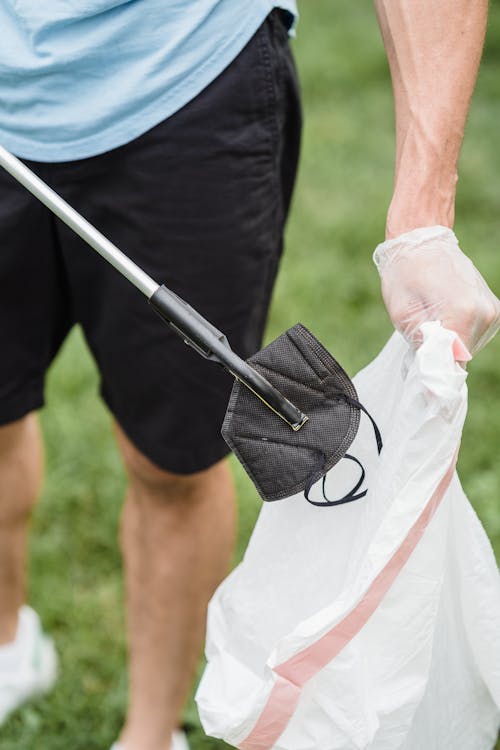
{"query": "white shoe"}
pixel 179 742
pixel 28 665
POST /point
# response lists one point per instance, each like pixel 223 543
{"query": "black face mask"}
pixel 282 462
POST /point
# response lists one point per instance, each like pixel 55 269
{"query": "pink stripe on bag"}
pixel 280 706
pixel 296 671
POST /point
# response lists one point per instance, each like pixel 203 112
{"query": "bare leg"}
pixel 177 538
pixel 20 480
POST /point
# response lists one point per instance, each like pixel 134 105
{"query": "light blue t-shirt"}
pixel 80 77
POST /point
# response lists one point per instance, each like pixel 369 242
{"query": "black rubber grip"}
pixel 212 344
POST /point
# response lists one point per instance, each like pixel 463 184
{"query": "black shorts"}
pixel 200 203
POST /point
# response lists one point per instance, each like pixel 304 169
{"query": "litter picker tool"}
pixel 294 378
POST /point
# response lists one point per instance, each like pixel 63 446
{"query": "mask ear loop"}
pixel 352 494
pixel 358 405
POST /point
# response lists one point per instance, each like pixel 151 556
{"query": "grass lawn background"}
pixel 327 281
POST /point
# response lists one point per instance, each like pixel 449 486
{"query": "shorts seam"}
pixel 265 47
pixel 271 80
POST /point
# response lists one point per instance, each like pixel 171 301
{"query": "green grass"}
pixel 327 281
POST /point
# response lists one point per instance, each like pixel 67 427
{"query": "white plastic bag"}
pixel 374 624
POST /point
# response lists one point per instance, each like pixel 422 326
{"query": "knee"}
pixel 19 436
pixel 20 469
pixel 154 481
pixel 149 481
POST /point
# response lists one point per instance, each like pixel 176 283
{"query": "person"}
pixel 175 128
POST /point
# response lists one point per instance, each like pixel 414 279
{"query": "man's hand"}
pixel 425 276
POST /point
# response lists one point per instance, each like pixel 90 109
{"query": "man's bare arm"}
pixel 434 48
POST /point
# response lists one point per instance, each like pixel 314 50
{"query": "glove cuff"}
pixel 414 240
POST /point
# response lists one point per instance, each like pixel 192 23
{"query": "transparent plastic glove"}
pixel 425 276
